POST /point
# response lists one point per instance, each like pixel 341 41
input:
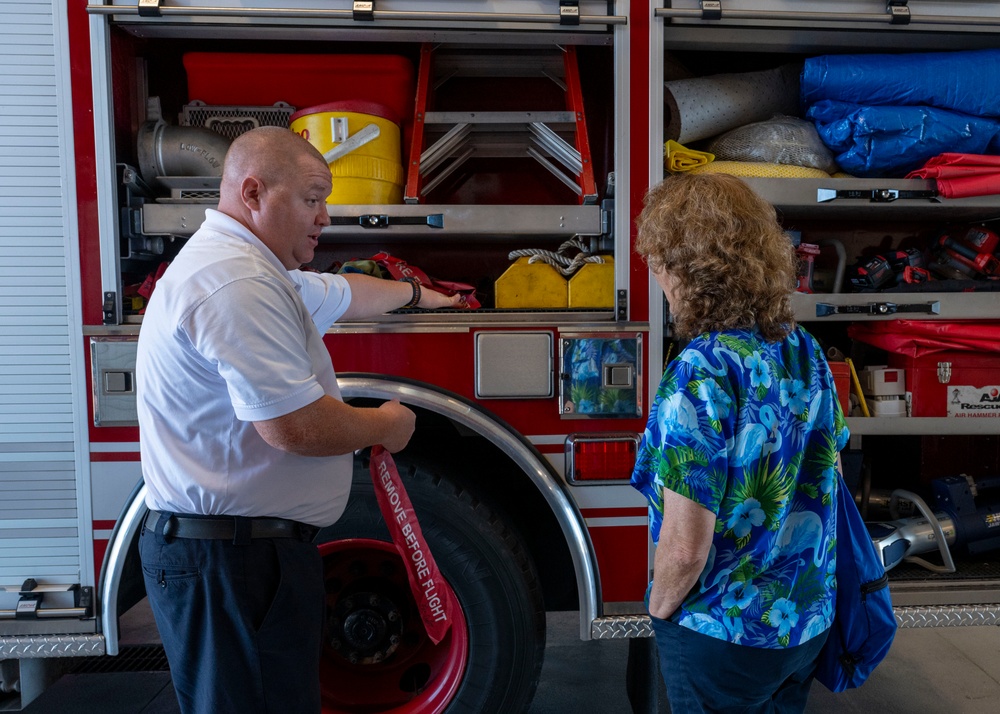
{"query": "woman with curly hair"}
pixel 739 460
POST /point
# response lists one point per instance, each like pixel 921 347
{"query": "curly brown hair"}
pixel 731 264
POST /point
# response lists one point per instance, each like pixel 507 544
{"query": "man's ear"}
pixel 250 192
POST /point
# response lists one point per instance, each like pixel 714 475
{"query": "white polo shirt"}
pixel 230 336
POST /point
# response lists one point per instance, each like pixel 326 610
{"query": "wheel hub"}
pixel 365 628
pixel 377 657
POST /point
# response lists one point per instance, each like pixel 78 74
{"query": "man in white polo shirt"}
pixel 246 443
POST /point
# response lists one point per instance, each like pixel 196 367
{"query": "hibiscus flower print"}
pixel 716 401
pixel 739 595
pixel 760 375
pixel 827 480
pixel 745 516
pixel 783 616
pixel 794 395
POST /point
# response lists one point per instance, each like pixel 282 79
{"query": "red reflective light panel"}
pixel 603 460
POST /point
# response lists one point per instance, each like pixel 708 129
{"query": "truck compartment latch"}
pixel 109 308
pixel 875 195
pixel 31 600
pixel 824 309
pixel 363 11
pixel 376 220
pixel 899 13
pixel 29 605
pixel 149 8
pixel 711 9
pixel 569 12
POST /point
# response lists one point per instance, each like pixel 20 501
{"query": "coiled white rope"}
pixel 563 263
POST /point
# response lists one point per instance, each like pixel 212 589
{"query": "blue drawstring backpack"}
pixel 863 623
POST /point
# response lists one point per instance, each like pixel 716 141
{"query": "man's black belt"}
pixel 234 528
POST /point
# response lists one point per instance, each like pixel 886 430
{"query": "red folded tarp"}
pixel 920 337
pixel 962 175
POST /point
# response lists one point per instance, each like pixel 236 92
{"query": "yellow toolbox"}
pixel 531 285
pixel 593 285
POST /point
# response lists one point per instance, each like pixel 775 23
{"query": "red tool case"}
pixel 952 383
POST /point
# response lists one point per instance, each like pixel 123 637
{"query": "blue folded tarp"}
pixel 885 115
pixel 889 142
pixel 966 82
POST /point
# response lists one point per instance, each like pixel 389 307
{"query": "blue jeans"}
pixel 240 624
pixel 705 674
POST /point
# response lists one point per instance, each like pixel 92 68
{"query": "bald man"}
pixel 246 443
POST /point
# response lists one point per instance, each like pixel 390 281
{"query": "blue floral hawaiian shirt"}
pixel 751 430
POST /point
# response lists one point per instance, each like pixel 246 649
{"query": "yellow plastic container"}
pixel 530 285
pixel 593 285
pixel 372 173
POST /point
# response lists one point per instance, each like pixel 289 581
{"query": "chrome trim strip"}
pixel 541 474
pixel 125 530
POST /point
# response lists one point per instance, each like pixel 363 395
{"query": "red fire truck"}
pixel 514 140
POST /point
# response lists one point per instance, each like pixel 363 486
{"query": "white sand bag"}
pixel 706 106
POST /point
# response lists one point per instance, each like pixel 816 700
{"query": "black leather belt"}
pixel 232 528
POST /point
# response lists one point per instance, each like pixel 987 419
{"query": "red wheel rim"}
pixel 376 654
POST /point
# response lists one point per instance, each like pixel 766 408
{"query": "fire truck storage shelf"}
pixel 457 222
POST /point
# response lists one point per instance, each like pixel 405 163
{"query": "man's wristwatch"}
pixel 415 300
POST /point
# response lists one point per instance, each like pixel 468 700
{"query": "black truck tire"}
pixel 486 565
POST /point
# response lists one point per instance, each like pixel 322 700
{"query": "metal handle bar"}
pixel 330 14
pixel 884 17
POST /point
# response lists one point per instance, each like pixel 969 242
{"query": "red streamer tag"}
pixel 433 594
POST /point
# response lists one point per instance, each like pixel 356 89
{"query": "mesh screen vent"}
pixel 195 195
pixel 231 121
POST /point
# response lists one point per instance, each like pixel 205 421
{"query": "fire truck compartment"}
pixel 507 146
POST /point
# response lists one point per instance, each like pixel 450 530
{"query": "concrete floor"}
pixel 946 670
pixel 928 670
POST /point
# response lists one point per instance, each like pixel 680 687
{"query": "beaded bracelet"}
pixel 415 300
